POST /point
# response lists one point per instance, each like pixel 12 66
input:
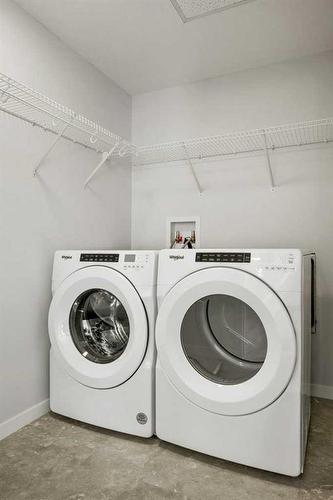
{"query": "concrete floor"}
pixel 56 458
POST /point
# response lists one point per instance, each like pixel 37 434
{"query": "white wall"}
pixel 237 208
pixel 38 216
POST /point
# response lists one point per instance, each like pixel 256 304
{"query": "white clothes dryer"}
pixel 101 327
pixel 233 337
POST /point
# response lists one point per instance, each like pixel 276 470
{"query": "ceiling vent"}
pixel 189 10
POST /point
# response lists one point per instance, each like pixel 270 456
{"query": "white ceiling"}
pixel 143 45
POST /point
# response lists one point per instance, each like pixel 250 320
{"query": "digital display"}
pixel 223 257
pixel 129 257
pixel 99 257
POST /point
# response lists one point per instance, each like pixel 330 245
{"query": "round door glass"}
pixel 99 326
pixel 224 339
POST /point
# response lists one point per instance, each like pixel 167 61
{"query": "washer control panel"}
pixel 99 257
pixel 135 261
pixel 223 257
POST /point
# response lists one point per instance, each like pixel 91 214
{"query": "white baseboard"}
pixel 322 391
pixel 25 417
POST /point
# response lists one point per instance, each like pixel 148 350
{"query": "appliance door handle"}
pixel 313 295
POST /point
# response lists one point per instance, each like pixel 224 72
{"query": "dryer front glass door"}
pixel 226 341
pixel 99 326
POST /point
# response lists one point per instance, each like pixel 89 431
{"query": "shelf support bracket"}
pixel 41 161
pixel 192 170
pixel 105 156
pixel 269 165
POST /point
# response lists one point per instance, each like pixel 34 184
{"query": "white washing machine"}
pixel 233 337
pixel 101 327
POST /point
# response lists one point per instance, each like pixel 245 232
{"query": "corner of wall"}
pixel 27 416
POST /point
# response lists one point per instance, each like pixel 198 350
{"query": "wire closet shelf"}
pixel 20 101
pixel 295 134
pixel 39 110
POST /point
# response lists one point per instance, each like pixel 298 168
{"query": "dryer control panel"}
pixel 223 257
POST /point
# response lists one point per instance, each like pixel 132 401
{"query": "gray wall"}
pixel 39 216
pixel 237 208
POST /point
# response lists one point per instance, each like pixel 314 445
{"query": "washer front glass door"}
pixel 99 326
pixel 224 339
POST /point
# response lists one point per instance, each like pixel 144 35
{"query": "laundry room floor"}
pixel 56 458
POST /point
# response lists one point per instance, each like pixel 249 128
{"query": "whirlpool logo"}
pixel 176 257
pixel 66 257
